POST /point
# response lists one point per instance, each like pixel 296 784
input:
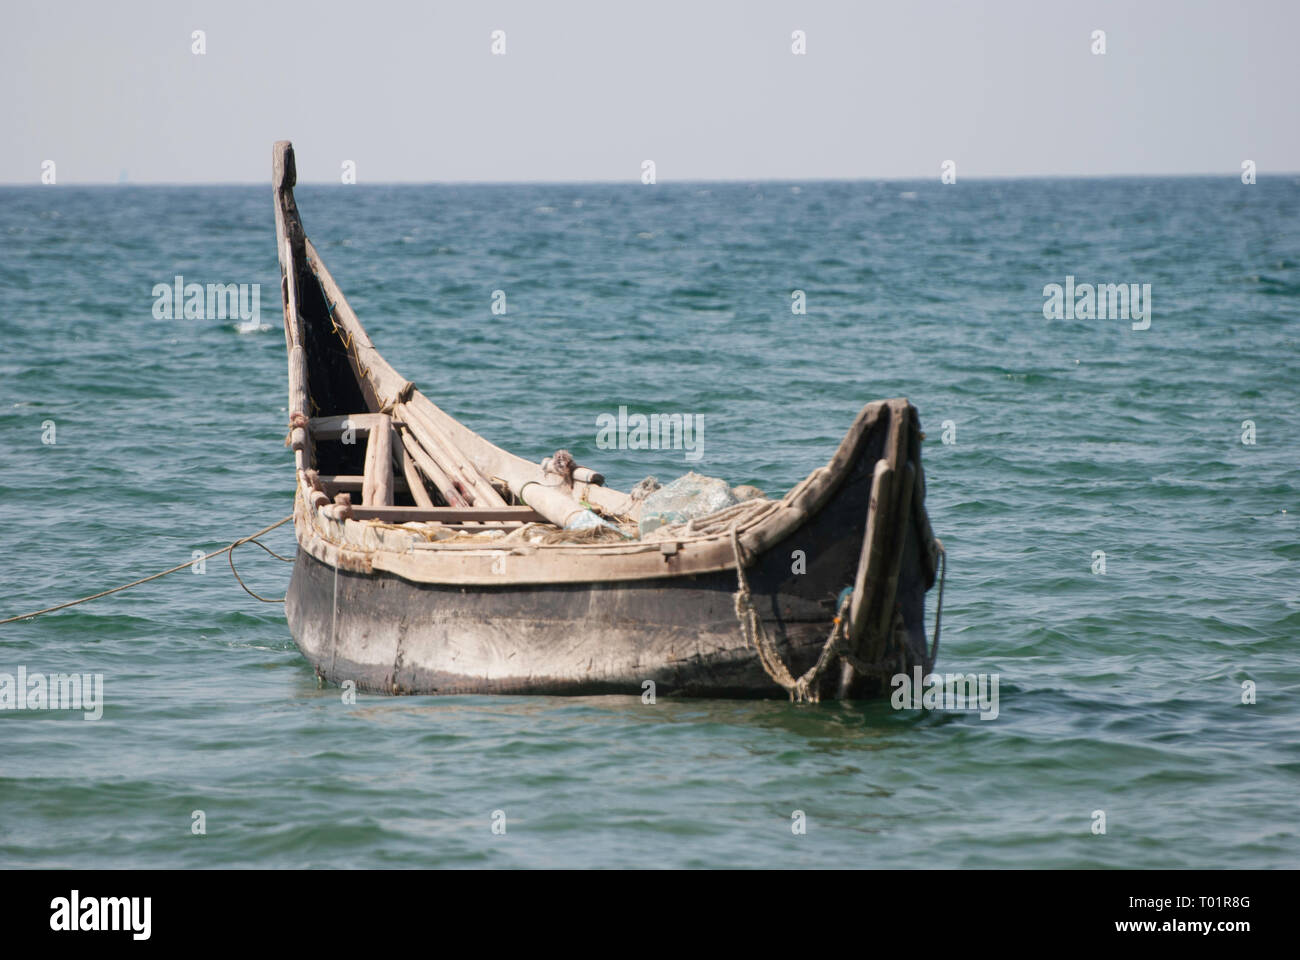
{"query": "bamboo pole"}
pixel 368 470
pixel 551 502
pixel 413 479
pixel 516 472
pixel 355 481
pixel 450 457
pixel 377 488
pixel 431 470
pixel 297 380
pixel 446 461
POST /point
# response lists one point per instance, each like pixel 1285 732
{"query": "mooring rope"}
pixel 755 634
pixel 230 555
pixel 252 538
pixel 938 607
pixel 804 688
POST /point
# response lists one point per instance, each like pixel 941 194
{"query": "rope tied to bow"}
pixel 805 687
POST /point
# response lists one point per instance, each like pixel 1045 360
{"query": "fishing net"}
pixel 687 497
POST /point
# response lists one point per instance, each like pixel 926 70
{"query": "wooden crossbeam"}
pixel 332 428
pixel 334 482
pixel 446 514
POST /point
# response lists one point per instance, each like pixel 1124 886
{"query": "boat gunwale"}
pixel 368 547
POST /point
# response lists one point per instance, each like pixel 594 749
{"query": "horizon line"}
pixel 985 178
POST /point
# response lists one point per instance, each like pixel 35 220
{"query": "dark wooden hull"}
pixel 391 635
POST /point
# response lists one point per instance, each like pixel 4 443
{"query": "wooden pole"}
pixel 452 459
pixel 516 472
pixel 298 380
pixel 444 514
pixel 446 462
pixel 331 428
pixel 377 489
pixel 413 479
pixel 431 470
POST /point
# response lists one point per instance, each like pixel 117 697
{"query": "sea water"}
pixel 1117 494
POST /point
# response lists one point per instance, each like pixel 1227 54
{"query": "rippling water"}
pixel 1120 691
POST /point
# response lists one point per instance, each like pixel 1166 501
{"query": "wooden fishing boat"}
pixel 431 561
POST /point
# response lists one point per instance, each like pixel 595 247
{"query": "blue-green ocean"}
pixel 1161 692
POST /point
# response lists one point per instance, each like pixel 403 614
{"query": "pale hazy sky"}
pixel 588 90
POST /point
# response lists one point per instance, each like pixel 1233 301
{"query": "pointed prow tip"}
pixel 284 173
